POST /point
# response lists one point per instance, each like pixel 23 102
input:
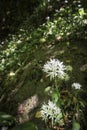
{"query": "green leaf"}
pixel 55 97
pixel 6 119
pixel 26 126
pixel 76 126
pixel 67 43
pixel 47 89
pixel 81 11
pixel 59 117
pixel 69 103
pixel 47 129
pixel 82 104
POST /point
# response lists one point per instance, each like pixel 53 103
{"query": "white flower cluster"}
pixel 84 67
pixel 76 85
pixel 4 128
pixel 50 111
pixel 55 68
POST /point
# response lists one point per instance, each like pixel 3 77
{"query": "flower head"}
pixel 4 128
pixel 50 111
pixel 76 85
pixel 11 74
pixel 55 68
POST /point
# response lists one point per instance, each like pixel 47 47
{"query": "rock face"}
pixel 26 107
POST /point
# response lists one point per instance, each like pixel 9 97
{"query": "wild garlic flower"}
pixel 11 74
pixel 84 67
pixel 50 111
pixel 55 68
pixel 4 128
pixel 76 85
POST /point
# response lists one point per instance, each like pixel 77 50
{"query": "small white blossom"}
pixel 55 68
pixel 84 67
pixel 48 18
pixel 11 74
pixel 66 1
pixel 50 111
pixel 4 128
pixel 76 85
pixel 3 61
pixel 85 21
pixel 79 5
pixel 19 41
pixel 2 43
pixel 49 32
pixel 48 0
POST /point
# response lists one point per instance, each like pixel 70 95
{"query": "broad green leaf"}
pixel 82 104
pixel 59 117
pixel 55 97
pixel 6 119
pixel 47 89
pixel 76 126
pixel 81 11
pixel 26 126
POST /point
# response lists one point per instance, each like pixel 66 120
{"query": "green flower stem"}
pixel 52 123
pixel 76 104
pixel 59 100
pixel 57 90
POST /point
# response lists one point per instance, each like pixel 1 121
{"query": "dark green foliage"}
pixel 12 13
pixel 6 119
pixel 26 126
